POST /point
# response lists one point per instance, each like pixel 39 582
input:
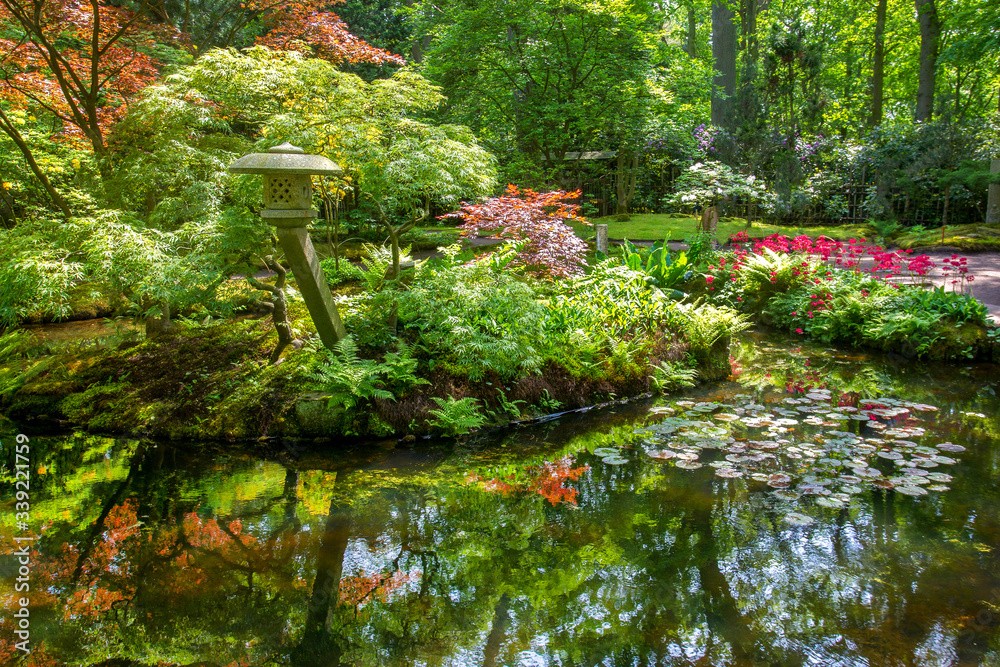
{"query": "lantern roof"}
pixel 285 159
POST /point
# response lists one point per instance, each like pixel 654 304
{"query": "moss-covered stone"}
pixel 962 341
pixel 715 365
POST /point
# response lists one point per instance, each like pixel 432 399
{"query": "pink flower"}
pixel 709 279
pixel 798 331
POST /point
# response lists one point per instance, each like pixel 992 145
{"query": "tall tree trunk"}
pixel 748 31
pixel 692 30
pixel 625 183
pixel 724 56
pixel 878 66
pixel 421 44
pixel 930 33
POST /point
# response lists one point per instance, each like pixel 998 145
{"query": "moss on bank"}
pixel 213 382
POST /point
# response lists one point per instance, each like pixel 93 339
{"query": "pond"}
pixel 825 508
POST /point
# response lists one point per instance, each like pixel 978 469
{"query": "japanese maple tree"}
pixel 552 248
pixel 80 61
pixel 310 28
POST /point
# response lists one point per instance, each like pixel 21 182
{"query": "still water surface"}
pixel 576 542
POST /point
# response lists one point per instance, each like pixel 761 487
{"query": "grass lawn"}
pixel 678 226
pixel 439 228
pixel 964 237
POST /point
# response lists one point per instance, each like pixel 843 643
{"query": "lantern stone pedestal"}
pixel 288 200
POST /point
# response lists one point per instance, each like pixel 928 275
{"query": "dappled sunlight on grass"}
pixel 678 226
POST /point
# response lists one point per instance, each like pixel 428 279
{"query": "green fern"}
pixel 349 379
pixel 670 375
pixel 705 324
pixel 400 369
pixel 456 417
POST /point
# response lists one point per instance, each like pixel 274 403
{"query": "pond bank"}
pixel 210 383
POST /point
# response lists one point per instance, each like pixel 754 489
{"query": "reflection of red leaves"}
pixel 107 572
pixel 361 589
pixel 548 480
pixel 553 247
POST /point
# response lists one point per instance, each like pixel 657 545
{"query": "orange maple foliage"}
pixel 80 60
pixel 308 27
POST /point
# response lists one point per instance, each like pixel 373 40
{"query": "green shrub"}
pixel 860 310
pixel 346 273
pixel 475 316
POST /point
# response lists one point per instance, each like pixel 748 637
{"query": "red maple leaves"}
pixel 305 26
pixel 553 248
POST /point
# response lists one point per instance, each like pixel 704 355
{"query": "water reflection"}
pixel 520 549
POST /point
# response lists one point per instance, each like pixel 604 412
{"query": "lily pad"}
pixel 787 494
pixel 829 502
pixel 797 519
pixel 662 454
pixel 950 447
pixel 607 451
pixel 907 490
pixel 688 465
pixel 730 473
pixel 615 460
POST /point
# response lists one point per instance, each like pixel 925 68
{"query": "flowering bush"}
pixel 552 248
pixel 849 293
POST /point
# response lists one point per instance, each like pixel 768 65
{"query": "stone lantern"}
pixel 288 207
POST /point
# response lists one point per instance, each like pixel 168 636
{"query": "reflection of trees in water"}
pixel 647 564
